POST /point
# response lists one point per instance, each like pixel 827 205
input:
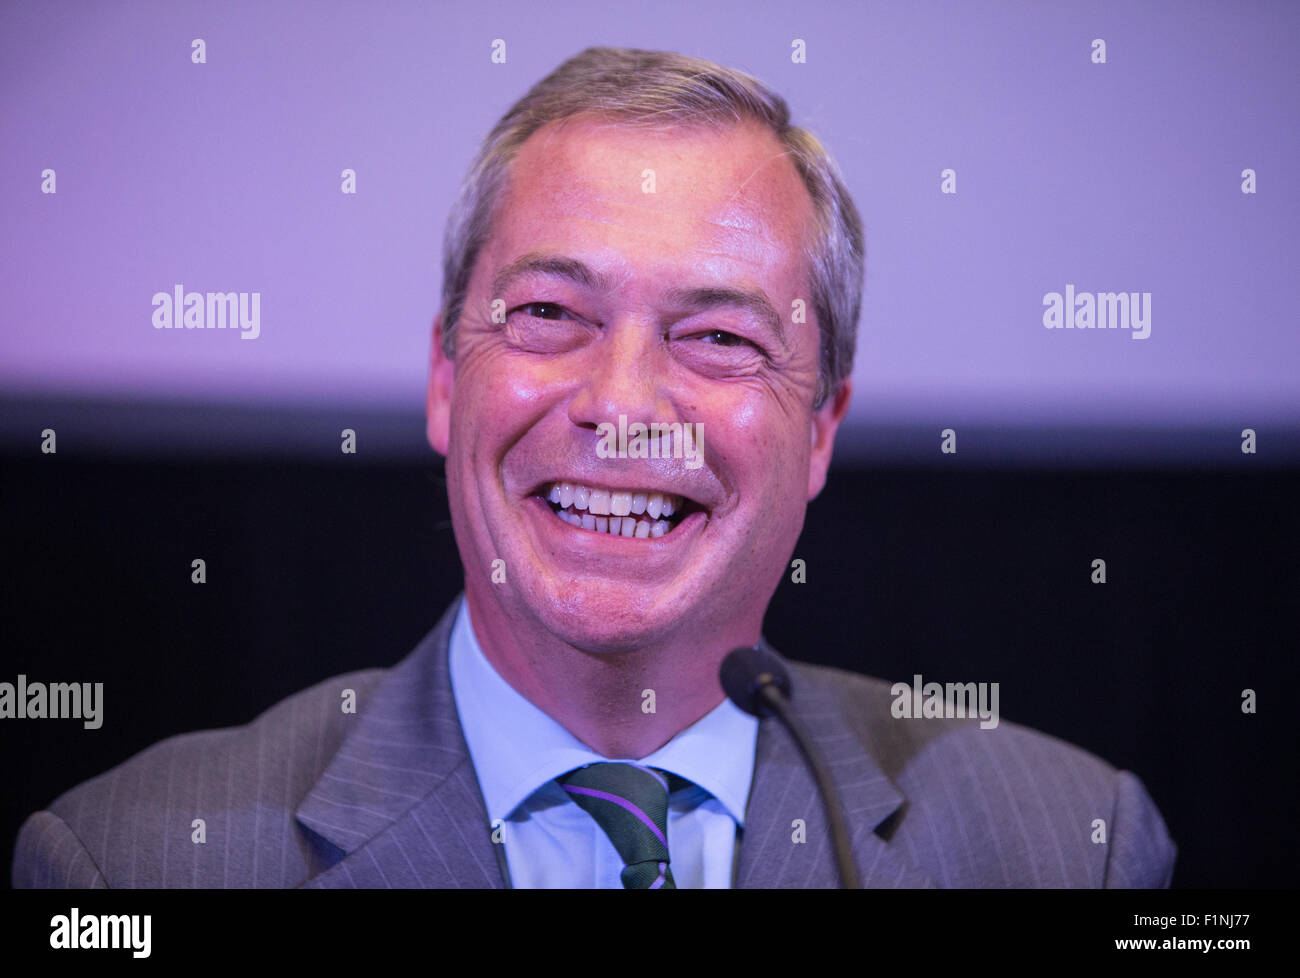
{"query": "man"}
pixel 644 246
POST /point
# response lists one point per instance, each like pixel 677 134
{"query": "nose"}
pixel 626 377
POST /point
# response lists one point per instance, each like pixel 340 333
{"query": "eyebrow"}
pixel 754 301
pixel 558 265
pixel 751 300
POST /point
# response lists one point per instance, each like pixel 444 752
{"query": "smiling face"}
pixel 665 298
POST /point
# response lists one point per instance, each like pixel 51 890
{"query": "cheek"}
pixel 497 394
pixel 753 435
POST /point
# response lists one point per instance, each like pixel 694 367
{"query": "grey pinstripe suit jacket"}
pixel 306 795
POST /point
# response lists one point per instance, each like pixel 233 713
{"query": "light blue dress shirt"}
pixel 518 751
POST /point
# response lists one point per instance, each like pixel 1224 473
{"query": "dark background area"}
pixel 957 572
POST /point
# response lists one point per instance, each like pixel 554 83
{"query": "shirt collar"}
pixel 517 748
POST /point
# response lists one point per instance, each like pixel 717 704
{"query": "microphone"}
pixel 756 680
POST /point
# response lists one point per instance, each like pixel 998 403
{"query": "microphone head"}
pixel 744 673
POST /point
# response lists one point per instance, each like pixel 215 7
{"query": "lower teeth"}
pixel 619 526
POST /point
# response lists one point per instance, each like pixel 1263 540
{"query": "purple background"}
pixel 225 176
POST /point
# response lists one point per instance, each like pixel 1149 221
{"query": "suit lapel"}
pixel 784 790
pixel 399 804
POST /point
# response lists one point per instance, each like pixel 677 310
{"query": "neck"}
pixel 622 705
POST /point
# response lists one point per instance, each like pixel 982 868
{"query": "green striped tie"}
pixel 630 803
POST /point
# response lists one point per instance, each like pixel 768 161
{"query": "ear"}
pixel 442 377
pixel 825 422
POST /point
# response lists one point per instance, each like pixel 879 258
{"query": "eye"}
pixel 541 310
pixel 544 327
pixel 720 337
pixel 719 353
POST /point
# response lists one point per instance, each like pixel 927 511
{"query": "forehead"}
pixel 725 204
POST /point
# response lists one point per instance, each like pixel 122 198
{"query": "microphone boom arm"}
pixel 773 698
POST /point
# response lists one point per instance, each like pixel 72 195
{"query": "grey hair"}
pixel 660 88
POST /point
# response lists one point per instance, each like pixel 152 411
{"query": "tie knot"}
pixel 630 803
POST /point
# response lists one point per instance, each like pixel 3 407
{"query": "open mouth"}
pixel 638 514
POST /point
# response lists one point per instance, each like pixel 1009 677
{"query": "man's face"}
pixel 621 296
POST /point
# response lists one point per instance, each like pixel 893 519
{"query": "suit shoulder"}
pixel 120 827
pixel 308 726
pixel 899 742
pixel 996 803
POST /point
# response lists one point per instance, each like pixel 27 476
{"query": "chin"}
pixel 605 619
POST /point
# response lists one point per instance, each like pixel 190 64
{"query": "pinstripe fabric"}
pixel 131 827
pixel 942 802
pixel 309 796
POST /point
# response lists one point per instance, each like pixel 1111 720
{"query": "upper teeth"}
pixel 614 512
pixel 607 502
